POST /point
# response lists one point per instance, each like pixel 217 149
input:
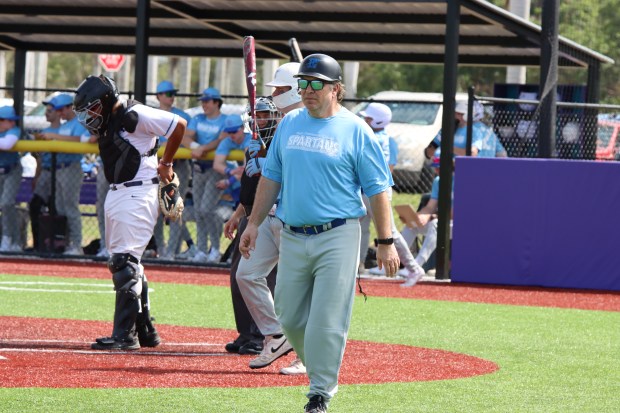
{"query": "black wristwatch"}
pixel 383 241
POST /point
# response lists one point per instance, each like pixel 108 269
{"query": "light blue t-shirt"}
pixel 486 141
pixel 206 129
pixel 8 158
pixel 384 141
pixel 393 152
pixel 227 145
pixel 322 164
pixel 460 138
pixel 46 157
pixel 435 188
pixel 71 128
pixel 176 111
pixel 482 137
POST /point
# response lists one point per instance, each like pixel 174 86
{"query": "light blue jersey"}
pixel 486 141
pixel 460 138
pixel 384 141
pixel 339 153
pixel 482 137
pixel 206 129
pixel 435 188
pixel 393 152
pixel 71 128
pixel 9 158
pixel 227 145
pixel 176 111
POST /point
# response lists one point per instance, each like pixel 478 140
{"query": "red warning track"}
pixel 56 353
pixel 542 297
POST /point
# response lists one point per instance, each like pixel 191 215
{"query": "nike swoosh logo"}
pixel 273 350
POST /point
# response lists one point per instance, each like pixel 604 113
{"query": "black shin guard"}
pixel 127 283
pixel 147 334
pixel 125 315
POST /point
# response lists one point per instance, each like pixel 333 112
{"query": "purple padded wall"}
pixel 537 222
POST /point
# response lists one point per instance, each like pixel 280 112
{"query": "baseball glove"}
pixel 170 203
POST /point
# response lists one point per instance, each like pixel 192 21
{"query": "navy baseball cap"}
pixel 166 86
pixel 60 101
pixel 232 123
pixel 8 112
pixel 210 93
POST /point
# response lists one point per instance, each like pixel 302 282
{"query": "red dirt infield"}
pixel 55 353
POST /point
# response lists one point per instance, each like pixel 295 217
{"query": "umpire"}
pixel 320 158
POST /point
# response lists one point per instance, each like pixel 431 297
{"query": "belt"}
pixel 316 229
pixel 114 187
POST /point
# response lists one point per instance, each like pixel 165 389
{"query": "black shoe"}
pixel 111 343
pixel 147 334
pixel 251 348
pixel 149 339
pixel 316 405
pixel 235 346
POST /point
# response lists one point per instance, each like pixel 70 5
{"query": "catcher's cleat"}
pixel 111 343
pixel 149 339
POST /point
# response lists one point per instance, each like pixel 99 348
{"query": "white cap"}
pixel 284 75
pixel 381 115
pixel 461 107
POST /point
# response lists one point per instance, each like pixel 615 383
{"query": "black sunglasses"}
pixel 315 84
pixel 170 94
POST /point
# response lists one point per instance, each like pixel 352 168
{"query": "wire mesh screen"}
pixel 580 129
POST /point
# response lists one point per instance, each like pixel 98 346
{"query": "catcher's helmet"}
pixel 266 105
pixel 94 100
pixel 321 66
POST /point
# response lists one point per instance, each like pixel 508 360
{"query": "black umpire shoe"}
pixel 316 405
pixel 251 347
pixel 111 343
pixel 235 346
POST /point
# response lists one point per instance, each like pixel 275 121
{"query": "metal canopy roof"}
pixel 381 31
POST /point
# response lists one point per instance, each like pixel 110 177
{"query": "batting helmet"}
pixel 283 77
pixel 380 114
pixel 321 66
pixel 94 100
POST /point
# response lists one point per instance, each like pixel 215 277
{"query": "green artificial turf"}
pixel 550 359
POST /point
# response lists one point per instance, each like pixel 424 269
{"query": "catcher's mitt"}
pixel 170 203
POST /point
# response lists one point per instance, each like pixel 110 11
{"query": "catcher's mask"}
pixel 94 100
pixel 267 118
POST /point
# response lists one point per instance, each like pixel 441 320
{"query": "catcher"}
pixel 127 137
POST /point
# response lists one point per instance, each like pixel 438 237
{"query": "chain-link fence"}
pixel 51 200
pixel 582 132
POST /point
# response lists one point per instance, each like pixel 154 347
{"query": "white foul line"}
pixel 108 287
pixel 126 352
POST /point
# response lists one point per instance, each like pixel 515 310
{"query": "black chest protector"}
pixel 121 160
